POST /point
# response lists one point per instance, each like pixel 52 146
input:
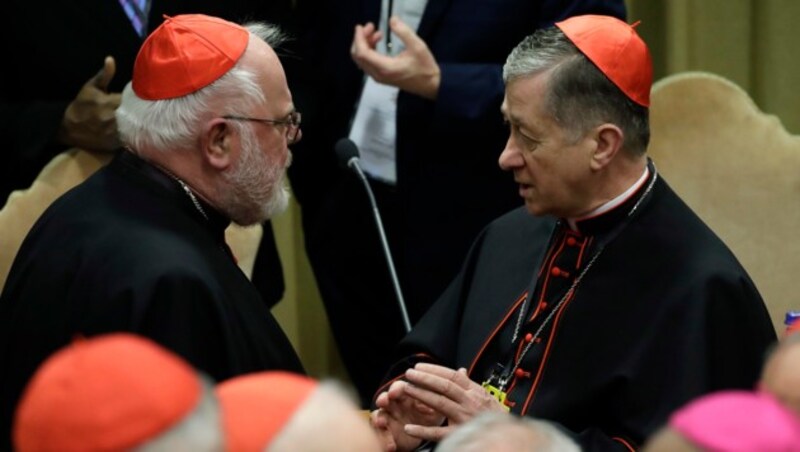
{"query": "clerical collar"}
pixel 612 224
pixel 183 192
pixel 607 215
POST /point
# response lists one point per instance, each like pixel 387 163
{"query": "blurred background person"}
pixel 425 115
pixel 781 374
pixel 117 392
pixel 279 411
pixel 500 432
pixel 729 421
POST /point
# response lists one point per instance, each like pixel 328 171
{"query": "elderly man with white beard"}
pixel 206 123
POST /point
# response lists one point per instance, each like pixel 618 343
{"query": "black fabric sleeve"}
pixel 434 339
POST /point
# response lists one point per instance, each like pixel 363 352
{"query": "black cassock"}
pixel 665 313
pixel 127 250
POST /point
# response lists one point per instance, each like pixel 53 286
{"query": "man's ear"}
pixel 217 143
pixel 608 139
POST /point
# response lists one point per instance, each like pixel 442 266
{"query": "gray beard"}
pixel 256 188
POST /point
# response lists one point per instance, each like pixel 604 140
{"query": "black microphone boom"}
pixel 347 153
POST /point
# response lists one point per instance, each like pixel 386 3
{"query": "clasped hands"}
pixel 415 409
pixel 413 70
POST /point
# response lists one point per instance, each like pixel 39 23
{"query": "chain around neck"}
pixel 191 195
pixel 522 311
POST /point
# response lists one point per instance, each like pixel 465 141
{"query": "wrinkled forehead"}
pixel 525 96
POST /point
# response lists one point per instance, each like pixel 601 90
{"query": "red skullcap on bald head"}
pixel 112 392
pixel 735 421
pixel 256 407
pixel 185 54
pixel 616 49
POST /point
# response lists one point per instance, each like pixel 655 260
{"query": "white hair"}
pixel 200 430
pixel 492 429
pixel 175 123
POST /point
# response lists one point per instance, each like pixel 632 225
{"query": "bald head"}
pixel 731 420
pixel 281 411
pixel 500 432
pixel 668 440
pixel 781 374
pixel 327 420
pixel 116 392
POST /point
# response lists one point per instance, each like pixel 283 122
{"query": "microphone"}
pixel 347 153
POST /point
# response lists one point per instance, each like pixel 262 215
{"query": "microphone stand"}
pixel 353 164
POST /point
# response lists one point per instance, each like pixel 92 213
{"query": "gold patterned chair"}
pixel 739 169
pixel 65 171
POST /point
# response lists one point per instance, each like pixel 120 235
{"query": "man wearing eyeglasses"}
pixel 49 120
pixel 206 122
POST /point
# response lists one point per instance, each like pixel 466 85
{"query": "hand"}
pixel 414 69
pixel 449 392
pixel 395 410
pixel 89 121
pixel 384 434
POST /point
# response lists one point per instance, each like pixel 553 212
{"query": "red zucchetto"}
pixel 616 49
pixel 185 54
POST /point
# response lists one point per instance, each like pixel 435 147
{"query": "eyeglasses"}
pixel 292 123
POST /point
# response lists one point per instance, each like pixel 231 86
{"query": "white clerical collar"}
pixel 610 205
